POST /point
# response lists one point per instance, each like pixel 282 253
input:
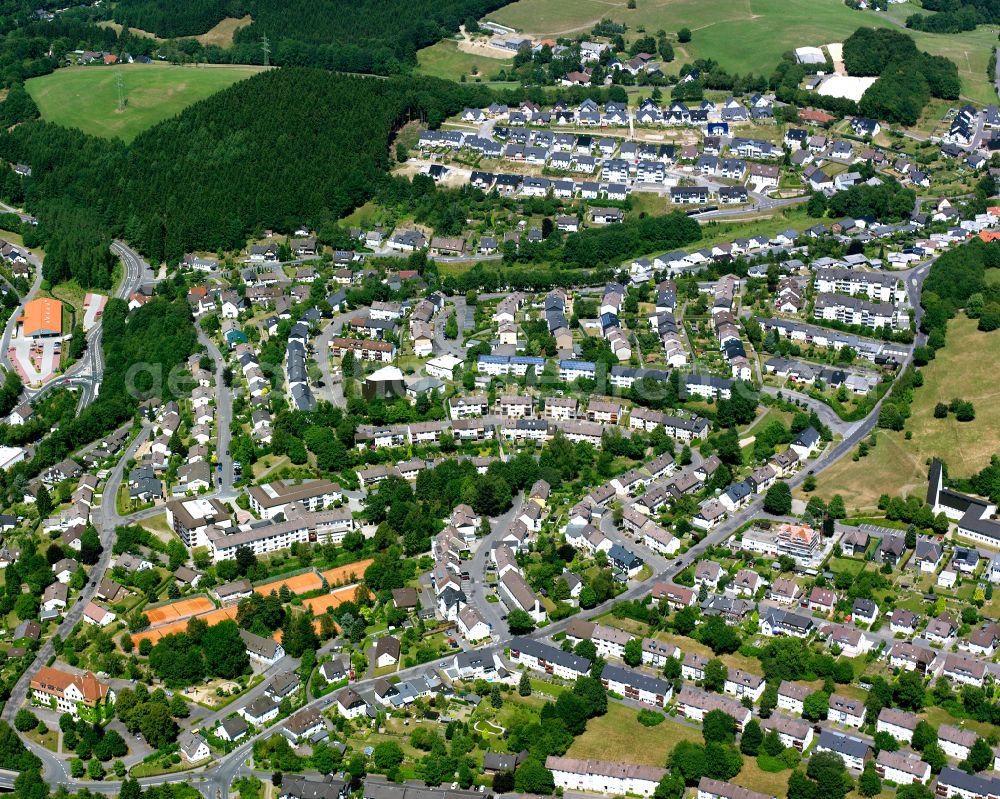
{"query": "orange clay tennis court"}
pixel 210 618
pixel 313 581
pixel 182 609
pixel 321 604
pixel 351 573
pixel 299 584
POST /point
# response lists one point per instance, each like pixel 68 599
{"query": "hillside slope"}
pixel 380 36
pixel 284 148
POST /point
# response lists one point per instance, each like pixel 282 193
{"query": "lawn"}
pixel 938 716
pixel 158 526
pixel 446 60
pixel 71 295
pixel 269 463
pixel 964 368
pixel 764 419
pixel 87 97
pixel 156 769
pixel 613 737
pixel 747 35
pixel 850 565
pixel 755 778
pixel 50 740
pixel 221 35
pixel 890 468
pixel 720 232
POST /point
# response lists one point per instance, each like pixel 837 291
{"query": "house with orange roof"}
pixel 814 116
pixel 42 318
pixel 78 694
pixel 989 235
pixel 138 299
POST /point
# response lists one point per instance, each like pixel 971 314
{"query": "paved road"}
pixel 105 517
pixel 8 332
pixel 996 77
pixel 86 373
pixel 824 411
pixel 332 389
pixel 476 590
pixel 223 415
pixel 451 346
pixel 7 209
pixel 764 203
pixel 214 779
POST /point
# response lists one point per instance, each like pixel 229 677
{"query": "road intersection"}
pixel 215 778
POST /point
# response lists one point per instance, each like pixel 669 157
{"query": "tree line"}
pixel 372 36
pixel 957 280
pixel 907 77
pixel 159 335
pixel 954 16
pixel 285 148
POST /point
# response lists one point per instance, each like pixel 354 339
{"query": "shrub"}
pixel 650 718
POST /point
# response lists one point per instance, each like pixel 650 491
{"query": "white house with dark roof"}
pixel 900 724
pixel 955 741
pixel 549 659
pixel 902 768
pixel 794 733
pixel 846 710
pixel 852 750
pixel 742 684
pixel 193 747
pixel 260 711
pixel 792 695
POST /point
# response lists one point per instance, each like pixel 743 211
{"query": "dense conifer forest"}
pixel 380 36
pixel 288 147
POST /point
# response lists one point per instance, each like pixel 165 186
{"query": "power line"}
pixel 265 45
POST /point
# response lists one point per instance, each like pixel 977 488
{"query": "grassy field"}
pixel 755 778
pixel 613 737
pixel 445 60
pixel 962 369
pixel 221 35
pixel 117 27
pixel 720 232
pixel 749 35
pixel 72 295
pixel 87 97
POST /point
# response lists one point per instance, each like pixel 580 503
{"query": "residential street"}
pixel 214 780
pixel 224 417
pixel 106 519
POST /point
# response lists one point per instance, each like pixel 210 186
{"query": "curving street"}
pixel 106 519
pixel 214 779
pixel 86 373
